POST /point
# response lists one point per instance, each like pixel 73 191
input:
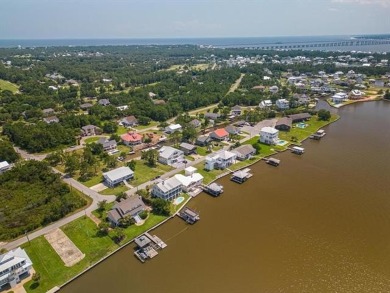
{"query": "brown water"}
pixel 318 223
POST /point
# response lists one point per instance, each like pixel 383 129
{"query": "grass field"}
pixel 91 139
pixel 144 173
pixel 83 233
pixel 116 190
pixel 8 86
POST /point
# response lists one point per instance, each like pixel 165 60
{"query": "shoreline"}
pixel 57 288
pixel 350 102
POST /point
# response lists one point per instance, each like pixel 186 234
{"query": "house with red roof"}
pixel 219 134
pixel 131 138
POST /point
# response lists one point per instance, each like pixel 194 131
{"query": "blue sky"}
pixel 40 19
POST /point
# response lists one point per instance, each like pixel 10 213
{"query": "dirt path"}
pixel 236 84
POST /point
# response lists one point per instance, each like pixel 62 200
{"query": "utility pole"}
pixel 25 232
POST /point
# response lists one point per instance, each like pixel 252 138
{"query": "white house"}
pixel 168 189
pixel 220 160
pixel 356 95
pixel 13 265
pixel 265 104
pixel 189 182
pixel 269 135
pixel 339 98
pixel 169 155
pixel 173 128
pixel 282 104
pixel 4 166
pixel 118 175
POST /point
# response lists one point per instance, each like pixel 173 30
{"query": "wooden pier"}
pixel 148 246
pixel 213 189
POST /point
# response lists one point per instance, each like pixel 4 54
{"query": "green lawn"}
pixel 208 175
pixel 144 173
pixel 116 190
pixel 83 234
pixel 175 208
pixel 151 124
pixel 301 134
pixel 8 86
pixel 202 151
pixel 91 139
pixel 103 215
pixel 252 140
pixel 122 130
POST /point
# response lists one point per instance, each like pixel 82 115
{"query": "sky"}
pixel 73 19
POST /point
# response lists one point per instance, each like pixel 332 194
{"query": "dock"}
pixel 189 215
pixel 318 135
pixel 213 189
pixel 148 246
pixel 241 176
pixel 297 150
pixel 272 161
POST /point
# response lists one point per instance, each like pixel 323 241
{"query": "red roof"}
pixel 131 136
pixel 221 132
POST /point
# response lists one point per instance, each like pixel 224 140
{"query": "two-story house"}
pixel 13 266
pixel 220 160
pixel 269 135
pixel 169 155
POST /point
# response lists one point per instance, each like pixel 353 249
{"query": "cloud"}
pixel 383 3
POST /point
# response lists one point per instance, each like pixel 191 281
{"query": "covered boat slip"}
pixel 148 246
pixel 272 161
pixel 189 215
pixel 297 150
pixel 241 176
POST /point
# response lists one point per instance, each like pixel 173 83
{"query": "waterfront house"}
pixel 168 155
pixel 189 182
pixel 88 130
pixel 129 207
pixel 203 140
pixel 173 128
pixel 4 166
pixel 48 112
pixel 356 95
pixel 236 110
pixel 244 152
pixel 107 144
pixel 219 134
pixel 129 121
pixel 220 160
pixel 195 123
pixel 188 148
pixel 232 130
pixel 284 124
pixel 269 135
pixel 212 116
pixel 265 104
pixel 282 104
pixel 301 117
pixel 339 98
pixel 85 106
pixel 168 189
pixel 104 102
pixel 14 265
pixel 118 175
pixel 131 138
pixel 51 119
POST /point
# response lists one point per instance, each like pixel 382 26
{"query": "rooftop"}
pixel 118 173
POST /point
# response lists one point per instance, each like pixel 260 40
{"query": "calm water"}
pixel 318 223
pixel 217 42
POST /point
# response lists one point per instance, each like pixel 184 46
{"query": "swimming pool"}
pixel 282 142
pixel 178 200
pixel 301 125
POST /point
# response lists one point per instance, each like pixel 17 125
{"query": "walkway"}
pixel 236 84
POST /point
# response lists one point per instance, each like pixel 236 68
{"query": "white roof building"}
pixel 168 189
pixel 13 264
pixel 265 104
pixel 269 135
pixel 4 166
pixel 118 175
pixel 173 128
pixel 189 182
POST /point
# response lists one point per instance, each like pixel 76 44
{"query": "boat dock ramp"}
pixel 148 246
pixel 189 215
pixel 213 189
pixel 241 176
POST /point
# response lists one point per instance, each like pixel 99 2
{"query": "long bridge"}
pixel 350 43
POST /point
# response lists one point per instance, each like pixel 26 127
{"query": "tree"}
pixel 71 164
pixel 132 165
pixel 175 137
pixel 118 235
pixel 323 115
pixel 161 207
pixel 387 95
pixel 102 205
pixel 96 148
pixel 36 277
pixel 7 152
pixel 55 158
pixel 189 133
pixel 150 157
pixel 103 228
pixel 120 196
pixel 257 147
pixel 110 127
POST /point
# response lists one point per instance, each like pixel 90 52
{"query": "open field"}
pixel 144 173
pixel 8 86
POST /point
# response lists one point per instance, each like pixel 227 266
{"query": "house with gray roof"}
pixel 212 116
pixel 168 189
pixel 85 106
pixel 14 265
pixel 220 160
pixel 188 148
pixel 244 152
pixel 236 110
pixel 129 207
pixel 203 140
pixel 107 144
pixel 52 119
pixel 48 111
pixel 4 166
pixel 168 155
pixel 104 102
pixel 299 117
pixel 284 124
pixel 129 121
pixel 118 175
pixel 88 130
pixel 232 130
pixel 195 123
